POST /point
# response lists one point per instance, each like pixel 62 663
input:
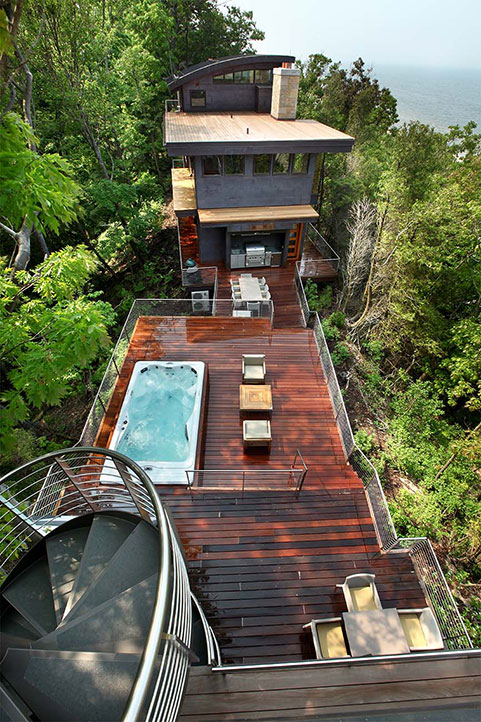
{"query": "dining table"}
pixel 375 632
pixel 250 289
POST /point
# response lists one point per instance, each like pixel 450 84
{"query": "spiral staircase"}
pixel 97 618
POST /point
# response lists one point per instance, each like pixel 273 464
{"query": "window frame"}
pixel 255 155
pixel 263 70
pixel 234 155
pixel 198 90
pixel 293 160
pixel 286 172
pixel 221 166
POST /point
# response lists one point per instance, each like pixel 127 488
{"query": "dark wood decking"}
pixel 265 563
pixel 438 690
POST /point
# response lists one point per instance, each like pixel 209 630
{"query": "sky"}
pixel 432 33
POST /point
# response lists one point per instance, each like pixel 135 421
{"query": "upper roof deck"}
pixel 249 132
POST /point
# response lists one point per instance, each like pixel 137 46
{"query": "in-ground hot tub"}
pixel 158 424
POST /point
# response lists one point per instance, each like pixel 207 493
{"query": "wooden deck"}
pixel 183 191
pixel 264 563
pixel 431 690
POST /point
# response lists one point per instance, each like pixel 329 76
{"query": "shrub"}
pixel 330 332
pixel 340 354
pixel 337 319
pixel 364 440
pixel 316 299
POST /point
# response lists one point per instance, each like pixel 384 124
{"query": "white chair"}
pixel 328 637
pixel 263 281
pixel 420 629
pixel 253 368
pixel 266 295
pixel 360 593
pixel 254 307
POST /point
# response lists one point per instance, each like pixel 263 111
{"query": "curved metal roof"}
pixel 223 65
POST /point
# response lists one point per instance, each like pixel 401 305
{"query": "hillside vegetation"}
pixel 84 229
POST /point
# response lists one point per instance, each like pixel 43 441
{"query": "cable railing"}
pixel 251 479
pixel 85 480
pixel 160 308
pixel 424 560
pixel 301 295
pixel 327 252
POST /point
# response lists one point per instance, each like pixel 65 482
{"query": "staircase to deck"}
pixel 96 615
pixel 75 615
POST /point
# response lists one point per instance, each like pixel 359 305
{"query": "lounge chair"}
pixel 328 637
pixel 360 593
pixel 256 432
pixel 420 629
pixel 253 367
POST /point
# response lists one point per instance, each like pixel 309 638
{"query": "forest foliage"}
pixel 83 178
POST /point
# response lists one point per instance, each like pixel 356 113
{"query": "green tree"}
pixel 50 330
pixel 35 190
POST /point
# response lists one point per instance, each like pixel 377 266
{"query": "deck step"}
pixel 66 685
pixel 107 534
pixel 31 595
pixel 126 616
pixel 136 559
pixel 64 552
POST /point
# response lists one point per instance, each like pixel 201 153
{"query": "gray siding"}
pixel 252 190
pixel 211 244
pixel 228 96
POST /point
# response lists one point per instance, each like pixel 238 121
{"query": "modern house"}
pixel 217 547
pixel 249 164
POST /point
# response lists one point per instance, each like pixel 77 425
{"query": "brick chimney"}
pixel 285 87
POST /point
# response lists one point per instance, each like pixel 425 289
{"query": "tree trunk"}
pixel 23 241
pixel 41 241
pixel 89 136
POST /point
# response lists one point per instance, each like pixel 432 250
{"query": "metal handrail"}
pixel 301 295
pixel 225 478
pixel 89 470
pixel 318 240
pixel 350 661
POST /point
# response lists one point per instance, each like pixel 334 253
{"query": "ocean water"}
pixel 437 96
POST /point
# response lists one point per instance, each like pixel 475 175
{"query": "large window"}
pixel 300 163
pixel 234 165
pixel 281 163
pixel 226 78
pixel 212 165
pixel 262 164
pixel 244 76
pixel 263 77
pixel 197 98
